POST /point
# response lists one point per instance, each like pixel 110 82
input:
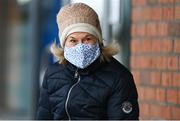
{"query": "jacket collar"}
pixel 96 64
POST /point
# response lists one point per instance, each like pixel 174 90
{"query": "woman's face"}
pixel 80 37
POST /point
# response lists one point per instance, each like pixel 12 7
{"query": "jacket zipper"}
pixel 76 75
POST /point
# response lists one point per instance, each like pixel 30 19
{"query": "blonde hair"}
pixel 106 52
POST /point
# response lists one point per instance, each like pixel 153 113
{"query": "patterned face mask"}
pixel 82 55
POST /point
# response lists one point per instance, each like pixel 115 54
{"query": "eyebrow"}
pixel 89 35
pixel 71 37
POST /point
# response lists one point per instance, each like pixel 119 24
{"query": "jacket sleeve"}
pixel 123 103
pixel 43 109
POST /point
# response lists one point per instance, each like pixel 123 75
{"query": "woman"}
pixel 87 82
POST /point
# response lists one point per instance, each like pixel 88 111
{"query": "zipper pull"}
pixel 76 73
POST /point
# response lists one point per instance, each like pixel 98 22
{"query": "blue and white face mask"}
pixel 82 55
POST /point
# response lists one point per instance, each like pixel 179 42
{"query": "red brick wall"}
pixel 155 57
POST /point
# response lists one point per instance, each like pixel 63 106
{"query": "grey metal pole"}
pixel 106 27
pixel 35 52
pixel 3 50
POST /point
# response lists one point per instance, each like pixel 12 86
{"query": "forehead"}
pixel 80 35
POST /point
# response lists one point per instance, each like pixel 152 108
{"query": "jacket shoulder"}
pixel 115 66
pixel 113 72
pixel 53 68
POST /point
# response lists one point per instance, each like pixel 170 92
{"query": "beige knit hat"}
pixel 78 17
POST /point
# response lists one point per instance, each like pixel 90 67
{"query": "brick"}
pixel 178 97
pixel 177 1
pixel 136 14
pixel 152 2
pixel 176 79
pixel 162 46
pixel 144 110
pixel 150 94
pixel 145 77
pixel 146 46
pixel 172 96
pixel 155 78
pixel 168 13
pixel 146 14
pixel 166 79
pixel 155 111
pixel 166 1
pixel 171 29
pixel 151 29
pixel 167 46
pixel 138 2
pixel 142 62
pixel 166 112
pixel 174 29
pixel 140 46
pixel 177 46
pixel 161 62
pixel 155 13
pixel 135 46
pixel 175 113
pixel 163 28
pixel 152 62
pixel 161 95
pixel 179 64
pixel 156 46
pixel 177 12
pixel 155 61
pixel 173 62
pixel 134 62
pixel 141 30
pixel 147 62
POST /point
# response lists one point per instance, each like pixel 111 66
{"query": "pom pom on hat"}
pixel 78 17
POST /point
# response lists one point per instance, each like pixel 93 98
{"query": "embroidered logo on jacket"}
pixel 126 107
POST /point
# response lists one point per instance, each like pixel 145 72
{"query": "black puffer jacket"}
pixel 101 91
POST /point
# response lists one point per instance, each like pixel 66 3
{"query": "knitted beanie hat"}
pixel 78 17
